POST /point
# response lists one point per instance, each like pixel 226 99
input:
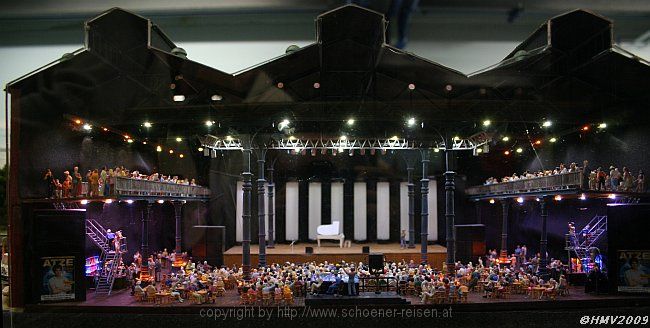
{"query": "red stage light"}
pixel 538 142
pixel 507 152
pixel 585 128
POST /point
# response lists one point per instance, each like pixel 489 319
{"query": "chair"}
pixel 151 297
pixel 277 298
pixel 259 296
pixel 438 297
pixel 410 289
pixel 266 298
pixel 139 297
pixel 330 232
pixel 463 296
pixel 244 299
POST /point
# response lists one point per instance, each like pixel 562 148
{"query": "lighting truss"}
pixel 232 143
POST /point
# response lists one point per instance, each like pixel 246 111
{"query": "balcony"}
pixel 558 183
pixel 145 188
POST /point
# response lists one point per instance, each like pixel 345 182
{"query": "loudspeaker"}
pixel 376 263
pixel 309 250
pixel 365 250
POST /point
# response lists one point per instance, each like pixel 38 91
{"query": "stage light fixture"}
pixel 209 123
pixel 487 123
pixel 179 98
pixel 343 138
pixel 395 138
pixel 537 199
pixel 505 139
pixel 87 127
pixel 351 152
pixel 362 152
pixel 160 201
pixel 558 198
pixel 171 151
pixel 323 151
pixel 77 121
pixel 105 129
pixel 411 121
pixel 585 128
pixel 200 149
pixel 553 139
pixel 280 85
pixel 284 124
pixel 547 124
pixel 611 196
pixel 108 201
pixel 538 142
pixel 179 139
pixel 83 202
pixel 436 150
pixel 520 200
pixel 456 138
pixel 213 153
pixel 313 152
pixel 292 138
pixel 158 148
pixel 129 140
pixel 216 97
pixel 507 152
pixel 372 151
pixel 129 201
pixel 448 88
pixel 144 142
pixel 583 197
pixel 316 85
pixel 411 86
pixel 602 125
pixel 519 150
pixel 228 138
pixel 146 124
pixel 350 122
pixel 341 149
pixel 181 155
pixel 492 201
pixel 126 136
pixel 479 150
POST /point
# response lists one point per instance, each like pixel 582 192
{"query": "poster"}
pixel 634 271
pixel 58 278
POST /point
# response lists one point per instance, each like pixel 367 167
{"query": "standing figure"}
pixel 640 182
pixel 103 176
pixel 110 237
pixel 352 288
pixel 402 239
pixel 94 183
pixel 77 182
pixel 67 184
pixel 49 183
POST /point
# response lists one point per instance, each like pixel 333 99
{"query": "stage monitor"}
pixel 376 263
pixel 365 249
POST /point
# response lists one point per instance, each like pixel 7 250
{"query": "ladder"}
pixel 584 240
pixel 106 278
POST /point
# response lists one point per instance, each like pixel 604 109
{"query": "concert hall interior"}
pixel 349 170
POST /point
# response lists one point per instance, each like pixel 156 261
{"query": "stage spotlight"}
pixel 108 201
pixel 362 152
pixel 323 151
pixel 411 86
pixel 372 151
pixel 558 198
pixel 537 199
pixel 158 148
pixel 284 124
pixel 160 201
pixel 505 139
pixel 83 202
pixel 538 142
pixel 520 200
pixel 394 138
pixel 492 201
pixel 87 127
pixel 602 125
pixel 129 140
pixel 479 150
pixel 341 149
pixel 181 155
pixel 547 124
pixel 126 136
pixel 229 138
pixel 350 122
pixel 77 121
pixel 179 139
pixel 171 151
pixel 146 124
pixel 583 197
pixel 216 97
pixel 411 121
pixel 105 129
pixel 436 150
pixel 213 153
pixel 313 152
pixel 129 201
pixel 611 196
pixel 456 138
pixel 343 138
pixel 553 139
pixel 585 128
pixel 209 123
pixel 507 152
pixel 316 85
pixel 178 98
pixel 487 123
pixel 144 142
pixel 519 150
pixel 200 149
pixel 448 88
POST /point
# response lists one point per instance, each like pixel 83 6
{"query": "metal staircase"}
pixel 106 278
pixel 66 205
pixel 582 241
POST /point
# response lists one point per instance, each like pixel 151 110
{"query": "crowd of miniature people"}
pixel 101 182
pixel 599 179
pixel 201 283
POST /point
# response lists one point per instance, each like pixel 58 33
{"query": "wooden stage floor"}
pixel 331 252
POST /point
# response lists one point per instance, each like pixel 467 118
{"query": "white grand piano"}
pixel 330 232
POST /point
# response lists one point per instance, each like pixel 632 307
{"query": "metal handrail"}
pixel 551 182
pixel 139 187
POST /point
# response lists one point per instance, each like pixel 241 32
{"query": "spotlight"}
pixel 479 150
pixel 77 121
pixel 519 150
pixel 611 196
pixel 129 201
pixel 350 122
pixel 602 125
pixel 520 200
pixel 557 198
pixel 538 142
pixel 492 201
pixel 505 139
pixel 171 151
pixel 129 140
pixel 313 152
pixel 411 121
pixel 146 124
pixel 179 139
pixel 448 88
pixel 341 149
pixel 228 138
pixel 585 128
pixel 181 155
pixel 280 85
pixel 105 129
pixel 553 139
pixel 537 199
pixel 583 197
pixel 316 85
pixel 87 127
pixel 216 97
pixel 126 136
pixel 178 98
pixel 209 123
pixel 284 124
pixel 108 201
pixel 343 137
pixel 160 201
pixel 394 138
pixel 507 152
pixel 436 150
pixel 158 148
pixel 487 123
pixel 144 142
pixel 83 202
pixel 200 149
pixel 547 124
pixel 411 86
pixel 456 138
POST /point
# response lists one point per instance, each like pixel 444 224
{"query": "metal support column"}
pixel 246 214
pixel 261 214
pixel 271 209
pixel 178 208
pixel 503 254
pixel 424 215
pixel 450 215
pixel 411 194
pixel 543 260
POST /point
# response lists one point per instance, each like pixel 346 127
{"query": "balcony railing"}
pixel 137 187
pixel 571 180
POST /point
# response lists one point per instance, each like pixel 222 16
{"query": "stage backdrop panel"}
pixel 239 231
pixel 404 208
pixel 433 210
pixel 336 190
pixel 291 211
pixel 315 212
pixel 360 211
pixel 383 211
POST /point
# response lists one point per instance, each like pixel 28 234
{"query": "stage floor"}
pixel 331 252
